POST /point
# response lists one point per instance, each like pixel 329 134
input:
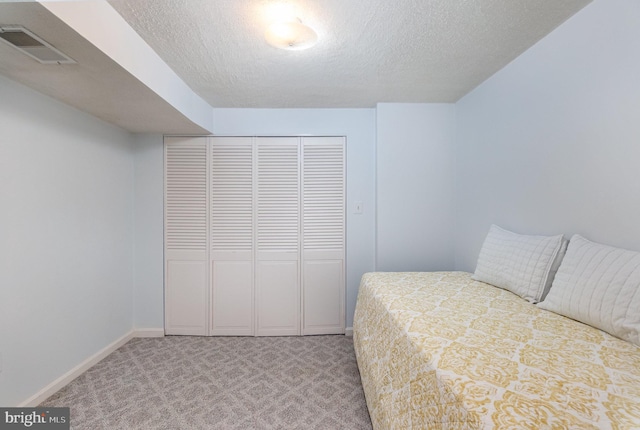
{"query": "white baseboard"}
pixel 148 332
pixel 72 374
pixel 348 331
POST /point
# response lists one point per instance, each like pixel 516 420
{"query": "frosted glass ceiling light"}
pixel 292 35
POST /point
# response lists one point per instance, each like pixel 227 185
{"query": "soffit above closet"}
pixel 369 51
pixel 96 84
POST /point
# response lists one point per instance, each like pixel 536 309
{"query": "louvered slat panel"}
pixel 323 196
pixel 231 196
pixel 186 197
pixel 278 195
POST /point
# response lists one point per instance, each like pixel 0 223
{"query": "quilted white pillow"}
pixel 599 285
pixel 519 263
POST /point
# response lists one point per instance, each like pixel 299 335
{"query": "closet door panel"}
pixel 278 190
pixel 186 294
pixel 232 312
pixel 323 290
pixel 278 298
pixel 278 236
pixel 231 226
pixel 185 227
pixel 323 231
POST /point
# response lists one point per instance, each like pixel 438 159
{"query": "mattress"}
pixel 441 351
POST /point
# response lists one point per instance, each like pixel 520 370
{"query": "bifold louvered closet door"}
pixel 186 271
pixel 254 235
pixel 231 237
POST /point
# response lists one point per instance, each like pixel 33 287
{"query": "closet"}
pixel 254 235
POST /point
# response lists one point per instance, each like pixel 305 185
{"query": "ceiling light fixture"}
pixel 292 35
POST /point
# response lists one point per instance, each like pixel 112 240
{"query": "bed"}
pixel 443 351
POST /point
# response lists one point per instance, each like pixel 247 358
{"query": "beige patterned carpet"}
pixel 184 382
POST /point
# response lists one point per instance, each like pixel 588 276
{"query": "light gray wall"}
pixel 148 295
pixel 551 143
pixel 415 177
pixel 66 235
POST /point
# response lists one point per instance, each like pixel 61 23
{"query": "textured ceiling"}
pixel 369 51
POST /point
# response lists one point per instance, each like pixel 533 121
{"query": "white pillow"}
pixel 519 263
pixel 599 285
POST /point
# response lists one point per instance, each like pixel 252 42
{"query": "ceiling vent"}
pixel 30 44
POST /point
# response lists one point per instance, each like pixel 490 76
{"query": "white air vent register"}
pixel 30 44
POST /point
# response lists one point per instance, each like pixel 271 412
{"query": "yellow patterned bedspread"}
pixel 441 351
